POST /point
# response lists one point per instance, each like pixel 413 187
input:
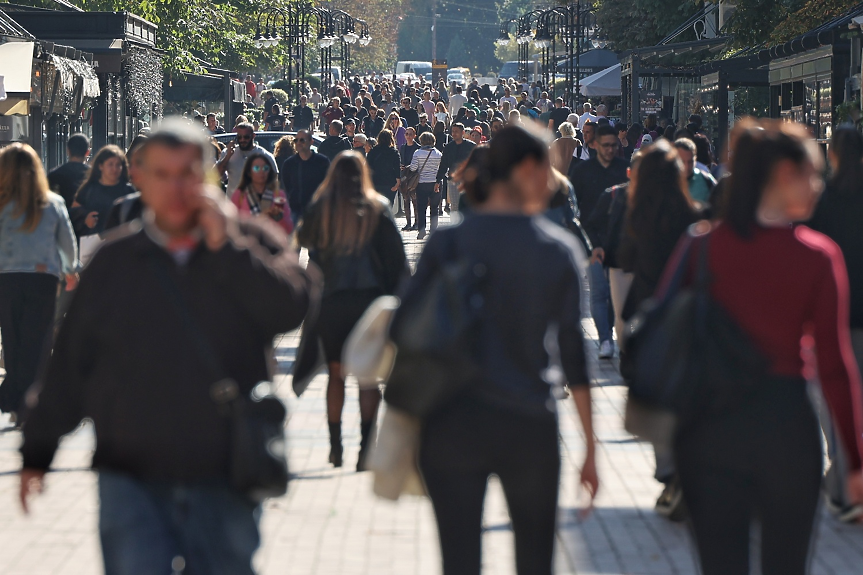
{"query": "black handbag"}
pixel 258 462
pixel 436 333
pixel 687 354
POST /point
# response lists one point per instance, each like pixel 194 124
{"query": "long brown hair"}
pixel 347 207
pixel 23 184
pixel 94 174
pixel 246 178
pixel 757 146
pixel 658 193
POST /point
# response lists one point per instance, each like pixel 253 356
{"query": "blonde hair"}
pixel 346 208
pixel 390 119
pixel 23 183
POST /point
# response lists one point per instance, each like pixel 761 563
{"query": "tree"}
pixel 753 21
pixel 632 24
pixel 811 15
pixel 507 52
pixel 457 52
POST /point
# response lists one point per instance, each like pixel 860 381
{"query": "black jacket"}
pixel 332 146
pixel 123 357
pixel 454 155
pixel 410 116
pixel 590 178
pixel 303 118
pixel 301 178
pixel 605 224
pixel 386 168
pixel 839 216
pixel 647 257
pixel 66 179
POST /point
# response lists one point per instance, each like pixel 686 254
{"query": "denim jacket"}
pixel 50 248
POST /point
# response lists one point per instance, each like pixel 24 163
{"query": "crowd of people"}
pixel 547 199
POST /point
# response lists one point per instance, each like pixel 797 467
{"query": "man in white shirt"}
pixel 456 101
pixel 507 97
pixel 602 112
pixel 587 116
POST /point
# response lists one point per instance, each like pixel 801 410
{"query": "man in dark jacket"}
pixel 605 228
pixel 126 359
pixel 454 155
pixel 590 178
pixel 334 143
pixel 66 179
pixel 302 173
pixel 303 117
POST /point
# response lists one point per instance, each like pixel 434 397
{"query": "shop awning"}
pixel 72 70
pixel 605 83
pixel 16 66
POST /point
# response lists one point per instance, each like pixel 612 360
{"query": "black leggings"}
pixel 27 302
pixel 763 456
pixel 461 447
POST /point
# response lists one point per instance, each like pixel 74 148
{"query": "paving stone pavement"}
pixel 331 523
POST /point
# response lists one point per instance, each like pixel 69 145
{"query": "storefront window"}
pixel 825 109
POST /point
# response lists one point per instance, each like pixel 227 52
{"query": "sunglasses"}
pixel 261 168
pixel 244 137
pixel 301 140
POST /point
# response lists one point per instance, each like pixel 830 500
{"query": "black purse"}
pixel 436 333
pixel 687 354
pixel 258 463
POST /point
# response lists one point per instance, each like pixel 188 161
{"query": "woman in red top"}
pixel 787 288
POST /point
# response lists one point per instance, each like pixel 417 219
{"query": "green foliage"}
pixel 477 22
pixel 638 23
pixel 197 34
pixel 280 95
pixel 283 85
pixel 507 52
pixel 753 21
pixel 812 14
pixel 314 81
pixel 456 52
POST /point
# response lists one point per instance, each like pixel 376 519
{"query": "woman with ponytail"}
pixel 529 347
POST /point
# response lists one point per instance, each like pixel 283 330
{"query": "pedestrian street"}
pixel 331 523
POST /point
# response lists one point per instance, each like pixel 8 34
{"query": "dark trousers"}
pixel 27 302
pixel 426 197
pixel 763 456
pixel 461 447
pixel 410 201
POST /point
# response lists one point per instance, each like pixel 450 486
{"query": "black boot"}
pixel 336 444
pixel 367 429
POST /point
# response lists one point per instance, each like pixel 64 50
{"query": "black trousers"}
pixel 763 457
pixel 426 197
pixel 27 302
pixel 461 447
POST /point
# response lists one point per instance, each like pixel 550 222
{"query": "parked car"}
pixel 456 77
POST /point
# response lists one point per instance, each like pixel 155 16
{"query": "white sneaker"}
pixel 606 350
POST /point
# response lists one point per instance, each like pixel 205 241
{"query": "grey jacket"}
pixel 50 248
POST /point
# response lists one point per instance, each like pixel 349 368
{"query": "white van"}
pixel 411 69
pixel 336 72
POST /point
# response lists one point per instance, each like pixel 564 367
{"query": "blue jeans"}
pixel 152 527
pixel 600 301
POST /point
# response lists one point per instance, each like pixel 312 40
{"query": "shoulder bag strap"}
pixel 426 162
pixel 254 206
